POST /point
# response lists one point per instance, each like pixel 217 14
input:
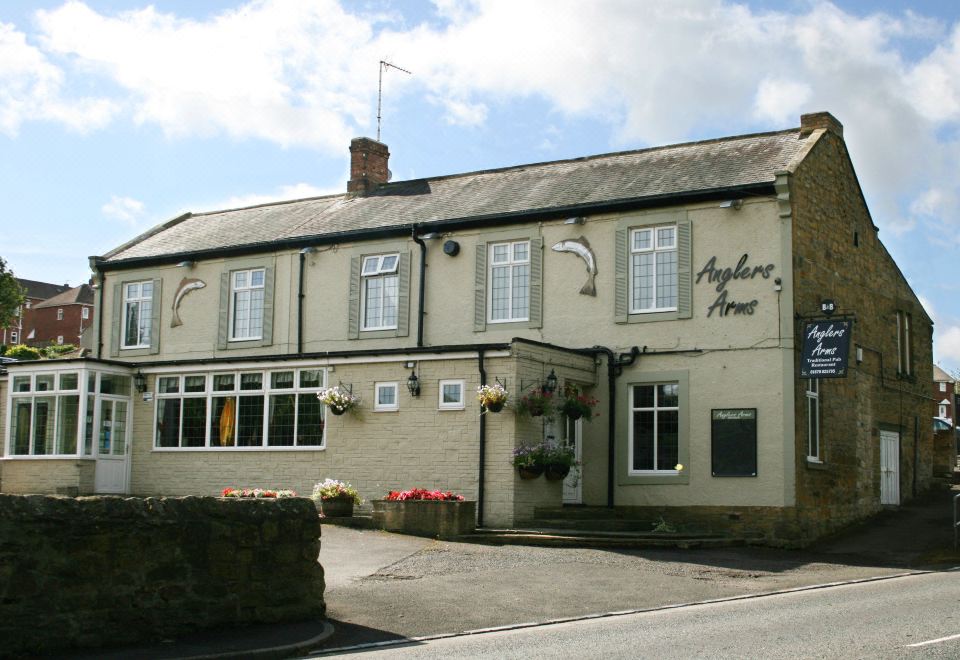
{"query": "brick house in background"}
pixel 945 447
pixel 944 391
pixel 62 318
pixel 35 293
pixel 670 283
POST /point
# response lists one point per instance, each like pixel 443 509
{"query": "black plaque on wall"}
pixel 826 344
pixel 733 432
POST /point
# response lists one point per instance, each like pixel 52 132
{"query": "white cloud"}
pixel 780 101
pixel 124 209
pixel 295 191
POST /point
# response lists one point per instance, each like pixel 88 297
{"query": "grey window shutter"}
pixel 684 271
pixel 155 321
pixel 353 313
pixel 267 332
pixel 403 295
pixel 536 283
pixel 480 290
pixel 116 329
pixel 224 328
pixel 621 272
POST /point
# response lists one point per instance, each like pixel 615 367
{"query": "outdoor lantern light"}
pixel 413 384
pixel 140 381
pixel 550 385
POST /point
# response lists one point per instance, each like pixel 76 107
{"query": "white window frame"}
pixel 814 453
pixel 60 313
pixel 266 390
pixel 382 272
pixel 248 289
pixel 386 407
pixel 904 366
pixel 509 264
pixel 85 313
pixel 14 336
pixel 59 340
pixel 143 328
pixel 447 405
pixel 656 409
pixel 654 249
pixel 943 387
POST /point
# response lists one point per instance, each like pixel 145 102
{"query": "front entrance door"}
pixel 113 458
pixel 572 485
pixel 889 467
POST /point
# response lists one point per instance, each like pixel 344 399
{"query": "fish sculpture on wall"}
pixel 581 248
pixel 187 284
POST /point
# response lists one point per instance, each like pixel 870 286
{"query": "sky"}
pixel 117 115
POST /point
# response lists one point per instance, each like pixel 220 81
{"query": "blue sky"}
pixel 117 115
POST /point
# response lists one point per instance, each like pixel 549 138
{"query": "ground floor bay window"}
pixel 240 409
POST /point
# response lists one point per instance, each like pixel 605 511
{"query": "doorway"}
pixel 113 456
pixel 889 467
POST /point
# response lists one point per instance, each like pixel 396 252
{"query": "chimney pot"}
pixel 814 120
pixel 368 165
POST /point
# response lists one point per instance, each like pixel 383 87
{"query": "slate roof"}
pixel 41 290
pixel 582 183
pixel 82 294
pixel 939 375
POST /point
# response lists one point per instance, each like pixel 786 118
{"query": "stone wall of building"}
pixel 838 256
pixel 61 476
pixel 103 571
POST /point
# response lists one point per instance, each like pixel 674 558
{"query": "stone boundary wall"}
pixel 105 571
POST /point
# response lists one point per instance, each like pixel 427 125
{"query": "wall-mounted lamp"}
pixel 576 220
pixel 550 384
pixel 186 264
pixel 413 384
pixel 735 204
pixel 140 382
pixel 451 248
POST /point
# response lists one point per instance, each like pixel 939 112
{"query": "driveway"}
pixel 383 586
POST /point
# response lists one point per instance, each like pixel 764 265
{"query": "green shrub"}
pixel 23 352
pixel 56 350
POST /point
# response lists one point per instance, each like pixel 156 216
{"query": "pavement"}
pixel 384 588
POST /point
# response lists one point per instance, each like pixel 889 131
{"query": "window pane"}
pixel 643 239
pixel 668 426
pixel 521 251
pixel 451 393
pixel 240 279
pixel 21 383
pixel 20 426
pixel 223 383
pixel 521 292
pixel 309 421
pixel 194 383
pixel 500 293
pixel 250 421
pixel 241 314
pixel 370 265
pixel 643 396
pixel 133 291
pixel 311 378
pixel 106 426
pixel 666 237
pixel 256 278
pixel 132 324
pixel 256 313
pixel 43 425
pixel 501 254
pixel 643 440
pixel 168 422
pixel 643 280
pixel 389 317
pixel 44 382
pixel 386 395
pixel 281 380
pixel 251 381
pixel 146 289
pixel 373 302
pixel 280 430
pixel 223 422
pixel 389 264
pixel 120 428
pixel 114 384
pixel 88 427
pixel 194 422
pixel 68 381
pixel 168 384
pixel 666 279
pixel 68 419
pixel 668 395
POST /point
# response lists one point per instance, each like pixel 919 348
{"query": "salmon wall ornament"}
pixel 187 284
pixel 581 248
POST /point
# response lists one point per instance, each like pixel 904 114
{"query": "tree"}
pixel 11 295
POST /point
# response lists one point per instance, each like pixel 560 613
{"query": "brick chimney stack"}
pixel 368 165
pixel 811 122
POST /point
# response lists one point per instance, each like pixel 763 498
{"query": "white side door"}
pixel 113 442
pixel 889 467
pixel 573 484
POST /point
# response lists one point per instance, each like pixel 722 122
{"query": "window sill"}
pixel 386 410
pixel 666 478
pixel 49 457
pixel 650 317
pixel 442 408
pixel 816 464
pixel 181 450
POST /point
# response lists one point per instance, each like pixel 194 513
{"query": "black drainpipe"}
pixel 481 472
pixel 300 295
pixel 615 366
pixel 423 271
pixel 103 285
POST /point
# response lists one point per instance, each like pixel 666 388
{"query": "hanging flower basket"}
pixel 336 410
pixel 530 471
pixel 574 404
pixel 338 399
pixel 538 403
pixel 556 471
pixel 492 397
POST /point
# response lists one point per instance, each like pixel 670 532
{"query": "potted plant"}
pixel 338 399
pixel 576 404
pixel 335 498
pixel 492 397
pixel 537 403
pixel 528 459
pixel 423 512
pixel 557 460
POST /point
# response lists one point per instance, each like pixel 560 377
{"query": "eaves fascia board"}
pixel 492 220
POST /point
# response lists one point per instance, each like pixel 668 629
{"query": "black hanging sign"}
pixel 826 344
pixel 733 432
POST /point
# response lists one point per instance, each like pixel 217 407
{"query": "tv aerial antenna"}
pixel 384 65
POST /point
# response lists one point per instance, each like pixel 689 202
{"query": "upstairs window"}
pixel 137 314
pixel 653 269
pixel 246 304
pixel 60 314
pixel 509 280
pixel 813 420
pixel 380 292
pixel 85 313
pixel 904 343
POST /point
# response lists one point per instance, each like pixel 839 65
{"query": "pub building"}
pixel 760 364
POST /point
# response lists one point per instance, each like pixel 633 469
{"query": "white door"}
pixel 113 458
pixel 573 484
pixel 889 467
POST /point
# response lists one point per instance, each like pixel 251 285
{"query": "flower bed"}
pixel 257 493
pixel 421 512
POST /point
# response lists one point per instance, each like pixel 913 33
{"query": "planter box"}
pixel 438 519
